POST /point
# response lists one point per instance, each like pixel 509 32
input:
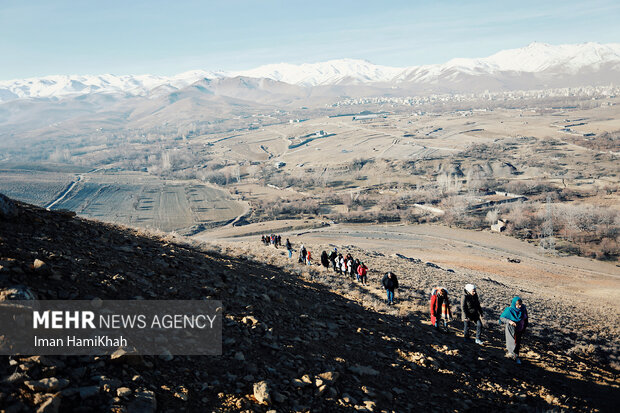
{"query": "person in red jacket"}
pixel 362 271
pixel 440 307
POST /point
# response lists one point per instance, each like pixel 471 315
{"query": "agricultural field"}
pixel 131 198
pixel 35 187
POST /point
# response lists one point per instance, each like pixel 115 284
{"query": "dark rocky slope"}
pixel 314 348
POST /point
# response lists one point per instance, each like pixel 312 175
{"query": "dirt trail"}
pixel 475 250
pixel 64 194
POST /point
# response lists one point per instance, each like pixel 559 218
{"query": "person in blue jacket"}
pixel 516 321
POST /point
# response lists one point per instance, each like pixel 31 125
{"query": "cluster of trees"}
pixel 606 141
pixel 285 209
pixel 581 229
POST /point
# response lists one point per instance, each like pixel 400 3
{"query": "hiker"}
pixel 325 260
pixel 308 258
pixel 302 254
pixel 278 240
pixel 349 266
pixel 515 318
pixel 289 248
pixel 343 265
pixel 362 270
pixel 354 264
pixel 440 308
pixel 471 312
pixel 339 264
pixel 332 258
pixel 390 283
pixel 349 258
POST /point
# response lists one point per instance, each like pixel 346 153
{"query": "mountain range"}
pixel 538 65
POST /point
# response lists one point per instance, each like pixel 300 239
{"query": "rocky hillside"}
pixel 295 339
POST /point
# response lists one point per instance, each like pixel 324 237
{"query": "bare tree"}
pixel 492 216
pixel 547 242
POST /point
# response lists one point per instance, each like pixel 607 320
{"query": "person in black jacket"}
pixel 332 258
pixel 289 248
pixel 303 255
pixel 390 283
pixel 471 312
pixel 324 260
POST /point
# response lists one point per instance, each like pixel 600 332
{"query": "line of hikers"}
pixel 344 265
pixel 514 317
pixel 272 239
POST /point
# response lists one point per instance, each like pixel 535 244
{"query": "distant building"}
pixel 369 117
pixel 495 198
pixel 500 226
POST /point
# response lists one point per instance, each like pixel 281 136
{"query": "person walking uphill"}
pixel 471 312
pixel 362 271
pixel 332 258
pixel 289 248
pixel 515 318
pixel 440 307
pixel 325 260
pixel 302 255
pixel 390 283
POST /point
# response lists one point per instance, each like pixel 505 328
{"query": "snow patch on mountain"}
pixel 58 86
pixel 332 72
pixel 538 57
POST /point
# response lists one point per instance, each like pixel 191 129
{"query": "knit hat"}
pixel 470 288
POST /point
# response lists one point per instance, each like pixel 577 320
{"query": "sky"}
pixel 45 37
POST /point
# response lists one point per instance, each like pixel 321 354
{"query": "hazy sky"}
pixel 42 37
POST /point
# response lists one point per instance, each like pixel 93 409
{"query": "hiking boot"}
pixel 478 341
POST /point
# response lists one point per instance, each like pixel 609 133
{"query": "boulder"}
pixel 126 356
pixel 250 320
pixel 47 385
pixel 144 402
pixel 51 405
pixel 329 376
pixel 123 391
pixel 262 392
pixel 38 265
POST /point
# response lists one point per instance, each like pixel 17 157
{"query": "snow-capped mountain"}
pixel 537 65
pixel 58 86
pixel 332 72
pixel 535 58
